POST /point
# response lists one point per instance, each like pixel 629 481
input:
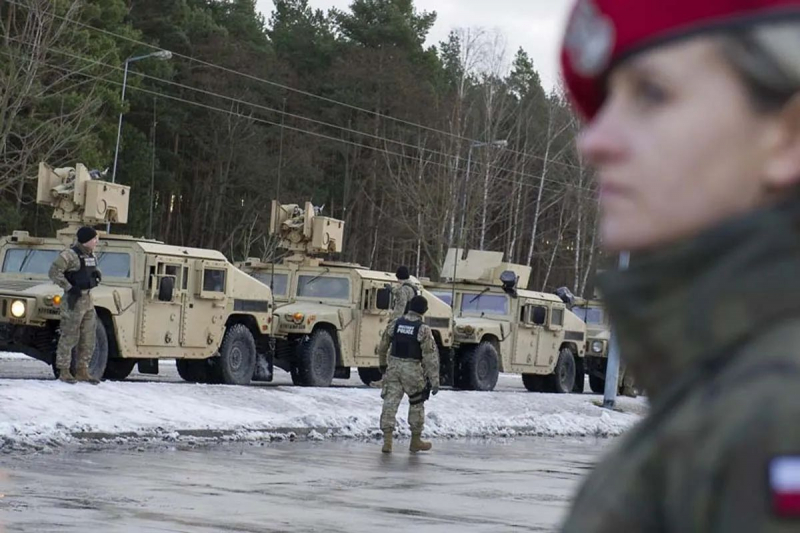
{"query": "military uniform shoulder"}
pixel 69 254
pixel 425 330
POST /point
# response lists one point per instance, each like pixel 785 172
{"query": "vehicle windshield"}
pixel 33 261
pixel 36 262
pixel 316 286
pixel 445 296
pixel 114 264
pixel 281 281
pixel 590 315
pixel 484 303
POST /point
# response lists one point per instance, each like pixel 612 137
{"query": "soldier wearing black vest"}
pixel 412 369
pixel 75 270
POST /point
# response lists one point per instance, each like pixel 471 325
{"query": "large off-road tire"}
pixel 97 365
pixel 316 360
pixel 369 375
pixel 237 356
pixel 597 384
pixel 480 367
pixel 535 382
pixel 119 369
pixel 580 376
pixel 562 380
pixel 196 370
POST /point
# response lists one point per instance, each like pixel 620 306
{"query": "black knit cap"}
pixel 418 304
pixel 86 234
pixel 402 273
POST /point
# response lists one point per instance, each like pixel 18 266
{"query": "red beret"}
pixel 601 33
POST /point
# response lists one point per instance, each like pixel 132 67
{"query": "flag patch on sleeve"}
pixel 784 482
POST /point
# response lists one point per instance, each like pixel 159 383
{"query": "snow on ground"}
pixel 43 413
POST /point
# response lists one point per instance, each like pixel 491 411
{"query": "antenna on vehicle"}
pixel 278 191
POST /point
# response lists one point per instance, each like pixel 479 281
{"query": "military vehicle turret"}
pixel 331 315
pixel 156 301
pixel 500 327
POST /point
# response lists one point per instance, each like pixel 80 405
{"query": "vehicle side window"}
pixel 557 318
pixel 213 280
pixel 539 315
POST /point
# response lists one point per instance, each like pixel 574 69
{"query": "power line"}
pixel 292 89
pixel 314 121
pixel 299 130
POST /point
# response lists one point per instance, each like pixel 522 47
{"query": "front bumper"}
pixel 39 342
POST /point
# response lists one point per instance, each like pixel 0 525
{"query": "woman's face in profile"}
pixel 679 147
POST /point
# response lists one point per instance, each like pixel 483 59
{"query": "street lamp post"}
pixel 162 55
pixel 474 144
pixel 612 364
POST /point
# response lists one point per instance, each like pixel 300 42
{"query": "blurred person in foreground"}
pixel 692 120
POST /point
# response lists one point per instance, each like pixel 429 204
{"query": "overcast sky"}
pixel 535 25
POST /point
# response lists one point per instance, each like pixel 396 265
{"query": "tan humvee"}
pixel 330 315
pixel 598 335
pixel 156 301
pixel 501 328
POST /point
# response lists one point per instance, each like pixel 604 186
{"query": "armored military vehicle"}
pixel 500 327
pixel 156 301
pixel 598 335
pixel 331 314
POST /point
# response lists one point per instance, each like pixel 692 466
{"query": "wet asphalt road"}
pixel 469 486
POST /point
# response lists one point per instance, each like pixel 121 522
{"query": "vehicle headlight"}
pixel 18 308
pixel 295 317
pixel 598 346
pixel 466 330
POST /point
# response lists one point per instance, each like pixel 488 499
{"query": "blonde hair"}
pixel 767 57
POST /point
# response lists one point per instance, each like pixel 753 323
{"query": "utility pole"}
pixel 612 365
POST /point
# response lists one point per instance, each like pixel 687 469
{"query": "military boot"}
pixel 419 445
pixel 83 375
pixel 66 376
pixel 387 442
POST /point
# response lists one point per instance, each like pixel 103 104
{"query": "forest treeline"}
pixel 418 148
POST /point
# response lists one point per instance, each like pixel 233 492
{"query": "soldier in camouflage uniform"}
pixel 403 292
pixel 693 122
pixel 412 369
pixel 75 270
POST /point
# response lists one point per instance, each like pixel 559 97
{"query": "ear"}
pixel 783 168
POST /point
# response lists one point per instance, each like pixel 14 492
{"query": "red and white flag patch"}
pixel 784 481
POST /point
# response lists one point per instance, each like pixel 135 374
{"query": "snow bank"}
pixel 46 413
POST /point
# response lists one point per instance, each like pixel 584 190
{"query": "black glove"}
pixel 435 389
pixel 383 370
pixel 73 294
pixel 97 276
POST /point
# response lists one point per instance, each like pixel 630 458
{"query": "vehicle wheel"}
pixel 369 375
pixel 119 369
pixel 97 365
pixel 237 356
pixel 598 385
pixel 580 376
pixel 562 379
pixel 480 367
pixel 534 382
pixel 316 360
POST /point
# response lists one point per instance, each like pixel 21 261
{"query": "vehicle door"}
pixel 161 315
pixel 206 302
pixel 526 347
pixel 375 304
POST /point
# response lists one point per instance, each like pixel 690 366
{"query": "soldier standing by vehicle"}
pixel 75 270
pixel 693 123
pixel 412 369
pixel 403 293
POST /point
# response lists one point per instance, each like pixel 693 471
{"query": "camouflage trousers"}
pixel 402 377
pixel 77 329
pixel 626 385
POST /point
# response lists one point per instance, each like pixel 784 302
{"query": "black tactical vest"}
pixel 405 343
pixel 84 278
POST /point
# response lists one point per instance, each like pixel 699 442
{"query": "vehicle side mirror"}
pixel 166 289
pixel 384 298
